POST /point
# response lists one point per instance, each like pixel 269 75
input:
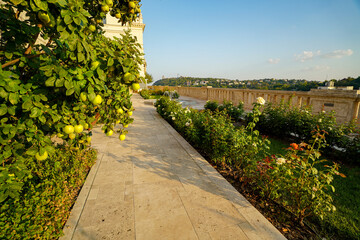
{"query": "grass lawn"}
pixel 344 223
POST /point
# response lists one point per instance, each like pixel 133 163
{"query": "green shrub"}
pixel 234 112
pixel 211 105
pixel 47 195
pixel 284 121
pixel 145 93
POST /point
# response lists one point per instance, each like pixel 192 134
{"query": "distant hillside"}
pixel 267 84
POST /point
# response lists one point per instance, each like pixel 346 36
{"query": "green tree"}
pixel 149 78
pixel 58 74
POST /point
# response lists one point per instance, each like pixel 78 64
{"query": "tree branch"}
pixel 18 59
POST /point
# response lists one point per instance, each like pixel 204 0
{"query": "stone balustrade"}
pixel 345 103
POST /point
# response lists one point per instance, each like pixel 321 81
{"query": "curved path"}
pixel 154 185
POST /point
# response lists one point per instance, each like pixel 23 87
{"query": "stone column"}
pixel 356 107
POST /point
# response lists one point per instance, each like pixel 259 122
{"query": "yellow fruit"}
pixel 109 3
pixel 79 128
pixel 132 5
pixel 118 15
pixel 97 100
pixel 41 157
pixel 127 77
pixel 98 20
pixel 88 139
pixel 109 133
pixel 122 137
pixel 126 125
pixel 105 8
pixel 72 135
pixel 83 96
pixel 86 126
pixel 135 86
pixel 130 113
pixel 92 28
pixel 69 129
pixel 120 111
pixel 117 122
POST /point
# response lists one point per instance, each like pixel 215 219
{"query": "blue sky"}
pixel 243 39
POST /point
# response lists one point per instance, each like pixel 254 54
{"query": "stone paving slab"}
pixel 154 185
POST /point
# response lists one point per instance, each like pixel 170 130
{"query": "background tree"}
pixel 149 78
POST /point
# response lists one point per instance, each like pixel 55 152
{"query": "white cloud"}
pixel 317 68
pixel 338 53
pixel 306 55
pixel 274 60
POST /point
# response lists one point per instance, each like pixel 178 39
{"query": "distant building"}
pixel 330 85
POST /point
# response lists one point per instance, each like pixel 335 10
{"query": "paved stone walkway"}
pixel 154 185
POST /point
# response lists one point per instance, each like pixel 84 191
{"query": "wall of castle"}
pixel 345 103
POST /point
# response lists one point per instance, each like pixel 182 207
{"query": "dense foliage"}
pixel 284 121
pixel 43 208
pixel 292 180
pixel 58 75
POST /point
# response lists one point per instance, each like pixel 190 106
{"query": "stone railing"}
pixel 345 103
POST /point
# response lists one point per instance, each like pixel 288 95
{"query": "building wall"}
pixel 345 103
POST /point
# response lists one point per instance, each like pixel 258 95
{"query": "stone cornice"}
pixel 133 25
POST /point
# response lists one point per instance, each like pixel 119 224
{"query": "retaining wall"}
pixel 345 103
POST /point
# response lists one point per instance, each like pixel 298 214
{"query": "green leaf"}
pixel 59 82
pixel 50 82
pixel 77 20
pixel 42 119
pixel 68 19
pixel 110 62
pixel 41 4
pixel 64 35
pixel 16 2
pixel 11 110
pixel 35 112
pixel 32 151
pixel 8 55
pixel 27 105
pixel 101 74
pixel 50 149
pixel 80 57
pixel 14 98
pixel 70 91
pixel 62 73
pixel 3 93
pixel 3 109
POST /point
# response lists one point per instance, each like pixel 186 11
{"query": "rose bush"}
pixel 283 120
